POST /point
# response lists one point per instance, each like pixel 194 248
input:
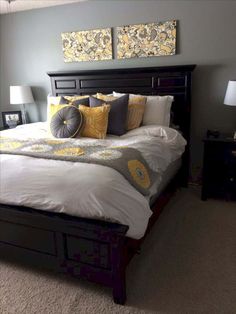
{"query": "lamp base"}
pixel 24 114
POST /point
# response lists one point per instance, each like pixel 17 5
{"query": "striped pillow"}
pixel 135 111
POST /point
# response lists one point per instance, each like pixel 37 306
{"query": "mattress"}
pixel 90 190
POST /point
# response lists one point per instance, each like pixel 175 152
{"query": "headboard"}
pixel 165 80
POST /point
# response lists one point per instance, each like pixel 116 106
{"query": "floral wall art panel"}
pixel 91 45
pixel 146 40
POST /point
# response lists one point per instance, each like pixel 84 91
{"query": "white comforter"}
pixel 87 190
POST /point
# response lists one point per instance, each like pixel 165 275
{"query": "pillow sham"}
pixel 95 121
pixel 117 115
pixel 157 110
pixel 136 109
pixel 66 122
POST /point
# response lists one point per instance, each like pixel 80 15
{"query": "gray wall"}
pixel 30 45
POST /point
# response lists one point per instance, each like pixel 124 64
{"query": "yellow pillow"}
pixel 52 109
pixel 95 121
pixel 136 108
pixel 105 97
pixel 71 99
pixel 135 111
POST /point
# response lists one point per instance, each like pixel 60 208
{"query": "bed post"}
pixel 118 269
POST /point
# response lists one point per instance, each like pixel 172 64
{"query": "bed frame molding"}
pixel 95 250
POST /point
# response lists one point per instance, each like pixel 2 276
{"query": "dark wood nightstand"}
pixel 219 168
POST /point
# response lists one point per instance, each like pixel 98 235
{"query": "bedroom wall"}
pixel 30 45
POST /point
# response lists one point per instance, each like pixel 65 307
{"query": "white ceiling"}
pixel 23 5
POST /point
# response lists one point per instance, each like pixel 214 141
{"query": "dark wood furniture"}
pixel 219 168
pixel 95 250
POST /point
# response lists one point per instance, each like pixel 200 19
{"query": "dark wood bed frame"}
pixel 95 250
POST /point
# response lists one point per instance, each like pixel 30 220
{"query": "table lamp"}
pixel 230 97
pixel 21 95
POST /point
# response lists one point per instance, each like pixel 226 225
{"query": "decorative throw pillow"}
pixel 135 112
pixel 105 97
pixel 81 101
pixel 136 109
pixel 157 111
pixel 67 122
pixel 54 101
pixel 78 100
pixel 96 121
pixel 52 109
pixel 117 115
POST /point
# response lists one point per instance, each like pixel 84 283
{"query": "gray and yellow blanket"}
pixel 126 160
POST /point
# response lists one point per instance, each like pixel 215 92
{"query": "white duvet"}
pixel 87 190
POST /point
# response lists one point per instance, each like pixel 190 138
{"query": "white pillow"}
pixel 52 100
pixel 157 110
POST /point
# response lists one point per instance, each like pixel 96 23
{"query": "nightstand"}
pixel 219 168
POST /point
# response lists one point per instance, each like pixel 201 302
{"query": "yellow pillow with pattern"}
pixel 105 97
pixel 95 121
pixel 72 99
pixel 136 110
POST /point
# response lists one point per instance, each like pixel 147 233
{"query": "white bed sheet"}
pixel 87 190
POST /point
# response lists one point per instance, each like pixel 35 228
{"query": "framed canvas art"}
pixel 146 40
pixel 90 45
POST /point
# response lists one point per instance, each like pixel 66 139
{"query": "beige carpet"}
pixel 187 265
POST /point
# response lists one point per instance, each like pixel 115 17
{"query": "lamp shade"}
pixel 21 95
pixel 230 96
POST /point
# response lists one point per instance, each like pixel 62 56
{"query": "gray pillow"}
pixel 67 122
pixel 63 101
pixel 117 115
pixel 82 101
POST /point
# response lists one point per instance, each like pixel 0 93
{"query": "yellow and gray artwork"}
pixel 146 40
pixel 91 45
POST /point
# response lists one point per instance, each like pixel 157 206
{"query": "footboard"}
pixel 90 249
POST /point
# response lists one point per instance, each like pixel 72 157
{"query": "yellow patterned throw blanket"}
pixel 126 160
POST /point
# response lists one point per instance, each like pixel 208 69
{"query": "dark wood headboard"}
pixel 165 80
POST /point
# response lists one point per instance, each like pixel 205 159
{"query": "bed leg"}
pixel 118 270
pixel 119 289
